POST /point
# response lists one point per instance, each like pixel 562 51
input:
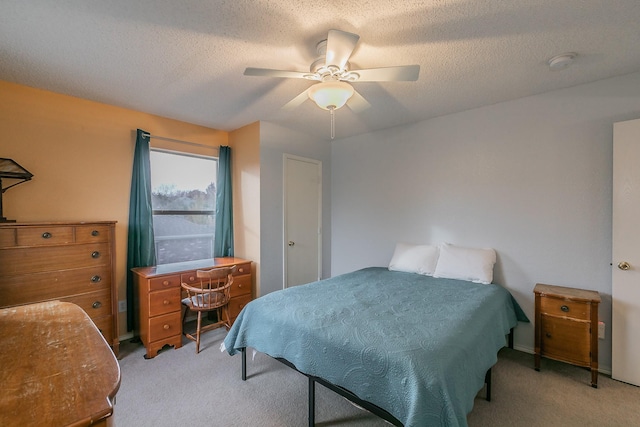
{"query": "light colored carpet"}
pixel 178 387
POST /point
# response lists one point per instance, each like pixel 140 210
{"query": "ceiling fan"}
pixel 331 70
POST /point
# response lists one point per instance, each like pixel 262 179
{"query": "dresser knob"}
pixel 94 233
pixel 564 308
pixel 96 279
pixel 95 254
pixel 46 235
pixel 96 304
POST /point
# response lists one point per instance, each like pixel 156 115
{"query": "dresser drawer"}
pixel 7 237
pixel 22 261
pixel 46 236
pixel 566 308
pixel 164 326
pixel 96 304
pixel 164 282
pixel 35 287
pixel 241 285
pixel 165 301
pixel 92 233
pixel 105 325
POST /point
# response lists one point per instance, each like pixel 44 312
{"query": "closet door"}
pixel 625 282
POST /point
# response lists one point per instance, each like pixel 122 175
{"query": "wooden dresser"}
pixel 65 261
pixel 159 295
pixel 566 326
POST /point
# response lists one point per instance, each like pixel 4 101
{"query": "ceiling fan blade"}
pixel 357 103
pixel 297 101
pixel 265 72
pixel 402 73
pixel 340 45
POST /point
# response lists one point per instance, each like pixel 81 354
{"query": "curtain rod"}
pixel 164 138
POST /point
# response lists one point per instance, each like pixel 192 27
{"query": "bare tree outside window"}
pixel 183 199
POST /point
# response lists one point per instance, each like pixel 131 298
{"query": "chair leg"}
pixel 184 317
pixel 198 333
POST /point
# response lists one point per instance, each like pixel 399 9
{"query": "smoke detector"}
pixel 560 62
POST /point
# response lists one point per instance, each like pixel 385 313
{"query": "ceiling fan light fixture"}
pixel 330 95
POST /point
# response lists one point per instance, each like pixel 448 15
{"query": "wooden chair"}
pixel 213 293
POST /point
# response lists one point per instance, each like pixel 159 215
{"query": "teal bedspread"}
pixel 416 346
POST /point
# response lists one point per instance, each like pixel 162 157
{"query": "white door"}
pixel 302 220
pixel 625 292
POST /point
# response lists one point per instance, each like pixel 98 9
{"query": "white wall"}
pixel 275 141
pixel 530 178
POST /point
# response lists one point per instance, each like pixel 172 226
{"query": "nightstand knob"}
pixel 564 308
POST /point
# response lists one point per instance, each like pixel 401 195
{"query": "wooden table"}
pixel 55 367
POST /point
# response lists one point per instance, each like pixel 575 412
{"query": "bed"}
pixel 414 349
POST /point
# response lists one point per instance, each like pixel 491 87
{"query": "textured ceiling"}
pixel 185 59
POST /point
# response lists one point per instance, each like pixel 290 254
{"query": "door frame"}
pixel 285 238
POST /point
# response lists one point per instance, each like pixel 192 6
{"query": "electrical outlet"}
pixel 601 330
pixel 122 306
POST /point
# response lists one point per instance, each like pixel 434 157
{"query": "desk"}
pixel 56 367
pixel 159 295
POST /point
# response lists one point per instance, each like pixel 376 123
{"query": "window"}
pixel 183 199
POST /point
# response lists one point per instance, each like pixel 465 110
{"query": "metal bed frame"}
pixel 374 409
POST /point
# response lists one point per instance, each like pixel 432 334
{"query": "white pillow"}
pixel 410 258
pixel 472 264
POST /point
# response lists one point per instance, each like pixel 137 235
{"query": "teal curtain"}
pixel 140 245
pixel 223 244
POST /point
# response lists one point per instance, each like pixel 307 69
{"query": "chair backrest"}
pixel 218 279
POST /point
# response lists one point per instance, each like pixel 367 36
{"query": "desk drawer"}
pixel 565 308
pixel 165 301
pixel 237 304
pixel 241 285
pixel 241 269
pixel 164 326
pixel 164 282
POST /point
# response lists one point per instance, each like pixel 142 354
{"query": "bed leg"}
pixel 487 380
pixel 511 338
pixel 243 350
pixel 312 402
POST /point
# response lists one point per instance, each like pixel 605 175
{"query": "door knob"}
pixel 291 243
pixel 624 265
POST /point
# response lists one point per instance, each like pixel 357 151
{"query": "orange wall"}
pixel 80 153
pixel 245 170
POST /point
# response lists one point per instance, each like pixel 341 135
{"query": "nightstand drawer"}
pixel 562 307
pixel 566 340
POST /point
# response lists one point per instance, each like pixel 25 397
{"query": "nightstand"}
pixel 566 326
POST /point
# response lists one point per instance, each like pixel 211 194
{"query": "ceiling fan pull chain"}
pixel 333 124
